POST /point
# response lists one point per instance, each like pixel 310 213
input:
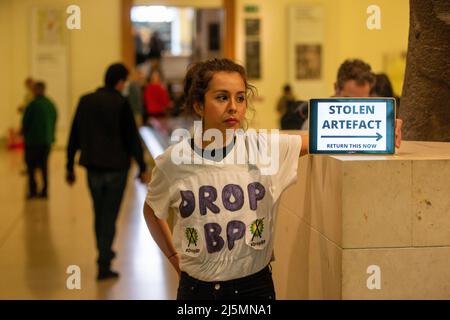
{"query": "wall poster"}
pixel 252 59
pixel 308 61
pixel 253 47
pixel 50 56
pixel 306 50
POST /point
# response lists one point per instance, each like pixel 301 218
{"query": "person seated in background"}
pixel 156 96
pixel 383 88
pixel 355 79
pixel 283 101
pixel 295 115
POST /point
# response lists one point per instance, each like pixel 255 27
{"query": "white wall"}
pixel 92 49
pixel 98 44
pixel 7 106
pixel 207 17
pixel 345 36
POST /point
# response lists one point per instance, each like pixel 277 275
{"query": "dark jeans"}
pixel 36 157
pixel 107 189
pixel 256 286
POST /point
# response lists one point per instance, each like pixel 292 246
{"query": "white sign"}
pixel 358 126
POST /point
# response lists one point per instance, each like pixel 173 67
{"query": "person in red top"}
pixel 156 96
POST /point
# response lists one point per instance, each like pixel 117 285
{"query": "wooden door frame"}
pixel 128 50
pixel 229 7
pixel 127 43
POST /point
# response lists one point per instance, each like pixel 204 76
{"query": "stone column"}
pixel 425 104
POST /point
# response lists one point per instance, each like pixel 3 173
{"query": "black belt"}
pixel 267 269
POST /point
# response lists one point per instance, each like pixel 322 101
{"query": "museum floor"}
pixel 40 239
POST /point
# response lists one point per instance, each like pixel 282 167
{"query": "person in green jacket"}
pixel 38 128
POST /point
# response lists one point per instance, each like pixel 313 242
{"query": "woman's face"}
pixel 155 77
pixel 225 102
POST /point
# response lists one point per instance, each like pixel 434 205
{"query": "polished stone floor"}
pixel 40 239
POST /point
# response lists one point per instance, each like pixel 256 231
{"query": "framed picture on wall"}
pixel 49 56
pixel 252 27
pixel 214 36
pixel 308 59
pixel 252 59
pixel 50 27
pixel 253 47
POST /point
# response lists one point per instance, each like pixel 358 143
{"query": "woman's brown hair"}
pixel 199 75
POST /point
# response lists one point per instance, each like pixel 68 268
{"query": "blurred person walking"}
pixel 38 128
pixel 105 132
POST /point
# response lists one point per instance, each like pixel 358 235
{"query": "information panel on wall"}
pixel 49 53
pixel 352 125
pixel 252 25
pixel 306 48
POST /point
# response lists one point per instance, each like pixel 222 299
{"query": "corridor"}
pixel 40 239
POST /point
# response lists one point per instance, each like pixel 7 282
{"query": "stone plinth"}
pixel 347 213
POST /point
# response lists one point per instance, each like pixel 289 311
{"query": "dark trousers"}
pixel 106 189
pixel 255 287
pixel 36 157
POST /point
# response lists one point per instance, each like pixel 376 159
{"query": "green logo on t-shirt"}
pixel 191 236
pixel 257 228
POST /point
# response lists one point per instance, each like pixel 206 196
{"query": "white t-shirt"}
pixel 225 212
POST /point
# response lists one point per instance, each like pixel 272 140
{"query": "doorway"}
pixel 174 37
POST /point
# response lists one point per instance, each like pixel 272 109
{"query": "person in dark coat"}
pixel 105 132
